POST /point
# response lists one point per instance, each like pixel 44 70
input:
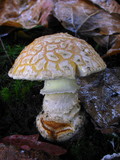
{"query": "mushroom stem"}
pixel 59 86
pixel 60 118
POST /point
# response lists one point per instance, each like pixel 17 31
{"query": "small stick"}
pixel 2 44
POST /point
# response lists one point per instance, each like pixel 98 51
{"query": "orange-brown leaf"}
pixel 25 14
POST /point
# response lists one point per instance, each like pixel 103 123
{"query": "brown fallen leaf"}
pixel 10 152
pixel 115 48
pixel 73 14
pixel 31 142
pixel 25 14
pixel 88 20
pixel 112 42
pixel 110 6
pixel 100 95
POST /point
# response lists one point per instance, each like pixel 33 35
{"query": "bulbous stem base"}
pixel 60 118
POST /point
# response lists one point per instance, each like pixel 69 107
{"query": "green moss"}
pixel 5 94
pixel 14 51
pixel 9 52
pixel 20 89
pixel 12 90
pixel 17 90
pixel 20 100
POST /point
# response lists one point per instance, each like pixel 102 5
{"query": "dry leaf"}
pixel 115 48
pixel 73 14
pixel 112 43
pixel 25 14
pixel 9 152
pixel 31 142
pixel 87 19
pixel 109 5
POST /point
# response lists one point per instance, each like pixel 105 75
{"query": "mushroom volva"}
pixel 58 59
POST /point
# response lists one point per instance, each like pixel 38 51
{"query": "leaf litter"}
pixel 87 19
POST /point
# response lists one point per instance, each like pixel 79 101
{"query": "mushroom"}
pixel 58 59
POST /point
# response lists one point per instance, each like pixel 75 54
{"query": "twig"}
pixel 2 44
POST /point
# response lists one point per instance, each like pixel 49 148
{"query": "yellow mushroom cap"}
pixel 56 56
